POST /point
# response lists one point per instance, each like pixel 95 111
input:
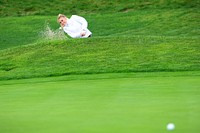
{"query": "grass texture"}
pixel 101 103
pixel 136 41
pixel 139 71
pixel 99 55
pixel 17 31
pixel 54 7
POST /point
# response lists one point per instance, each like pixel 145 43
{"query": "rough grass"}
pixel 54 7
pixel 117 81
pixel 152 39
pixel 100 55
pixel 149 22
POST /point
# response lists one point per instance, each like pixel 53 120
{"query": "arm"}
pixel 71 34
pixel 82 21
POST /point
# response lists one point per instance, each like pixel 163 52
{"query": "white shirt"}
pixel 75 26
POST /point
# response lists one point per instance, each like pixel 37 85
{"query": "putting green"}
pixel 124 104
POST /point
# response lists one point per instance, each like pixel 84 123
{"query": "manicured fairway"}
pixel 124 104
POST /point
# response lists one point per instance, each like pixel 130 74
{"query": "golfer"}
pixel 75 27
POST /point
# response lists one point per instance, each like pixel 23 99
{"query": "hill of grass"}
pixel 54 7
pixel 139 71
pixel 142 40
pixel 101 55
pixel 149 22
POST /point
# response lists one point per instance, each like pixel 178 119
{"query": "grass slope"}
pixel 53 7
pixel 150 22
pixel 100 55
pixel 99 92
pixel 125 104
pixel 146 40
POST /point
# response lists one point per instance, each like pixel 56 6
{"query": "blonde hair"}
pixel 60 16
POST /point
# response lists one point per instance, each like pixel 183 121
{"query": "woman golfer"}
pixel 75 27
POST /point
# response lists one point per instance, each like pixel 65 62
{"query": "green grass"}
pixel 149 22
pixel 99 55
pixel 139 71
pixel 143 102
pixel 54 7
pixel 135 41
